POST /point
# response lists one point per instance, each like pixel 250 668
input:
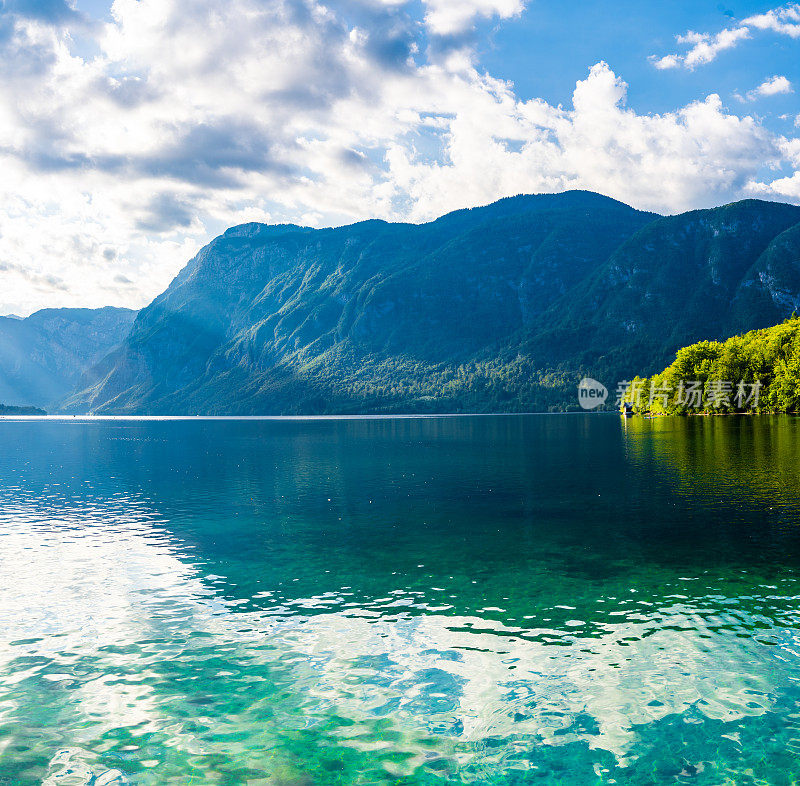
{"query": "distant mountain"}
pixel 501 307
pixel 7 410
pixel 43 356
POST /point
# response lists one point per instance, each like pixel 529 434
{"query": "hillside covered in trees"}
pixel 755 372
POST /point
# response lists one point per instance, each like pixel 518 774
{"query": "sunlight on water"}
pixel 504 600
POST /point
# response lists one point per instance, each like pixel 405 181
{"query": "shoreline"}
pixel 397 416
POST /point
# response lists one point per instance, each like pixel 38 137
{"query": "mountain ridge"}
pixel 490 308
pixel 656 281
pixel 43 355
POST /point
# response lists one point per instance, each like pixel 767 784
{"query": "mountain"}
pixel 368 317
pixel 501 307
pixel 43 356
pixel 706 274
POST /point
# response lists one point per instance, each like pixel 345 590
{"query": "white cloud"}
pixel 666 62
pixel 785 21
pixel 776 85
pixel 698 155
pixel 788 187
pixel 784 188
pixel 449 17
pixel 119 164
pixel 706 47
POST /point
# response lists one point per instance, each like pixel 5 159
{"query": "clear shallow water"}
pixel 542 599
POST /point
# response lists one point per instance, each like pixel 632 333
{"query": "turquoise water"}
pixel 570 599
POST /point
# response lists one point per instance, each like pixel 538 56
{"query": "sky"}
pixel 132 133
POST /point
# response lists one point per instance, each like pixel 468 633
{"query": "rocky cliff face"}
pixel 770 290
pixel 500 307
pixel 707 274
pixel 43 357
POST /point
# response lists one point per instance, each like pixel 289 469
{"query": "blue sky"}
pixel 549 46
pixel 544 51
pixel 132 133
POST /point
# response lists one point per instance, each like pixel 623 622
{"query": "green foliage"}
pixel 768 359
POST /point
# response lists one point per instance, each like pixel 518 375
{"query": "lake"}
pixel 553 599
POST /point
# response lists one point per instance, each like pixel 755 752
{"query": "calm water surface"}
pixel 543 599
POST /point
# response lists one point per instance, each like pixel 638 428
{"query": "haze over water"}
pixel 564 599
